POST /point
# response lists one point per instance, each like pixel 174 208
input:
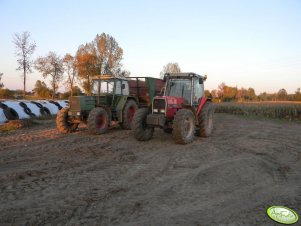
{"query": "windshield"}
pixel 179 88
pixel 105 86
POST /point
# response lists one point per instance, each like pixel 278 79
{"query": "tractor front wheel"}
pixel 206 120
pixel 128 114
pixel 141 131
pixel 183 127
pixel 98 121
pixel 62 122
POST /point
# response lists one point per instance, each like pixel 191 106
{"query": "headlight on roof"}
pixel 155 110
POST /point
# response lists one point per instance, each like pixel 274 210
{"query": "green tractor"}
pixel 113 101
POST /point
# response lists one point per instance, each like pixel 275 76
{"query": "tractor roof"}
pixel 106 77
pixel 184 75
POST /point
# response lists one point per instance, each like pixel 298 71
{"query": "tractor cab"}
pixel 188 86
pixel 108 90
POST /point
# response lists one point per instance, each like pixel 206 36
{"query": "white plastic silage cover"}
pixel 2 116
pixel 34 108
pixel 63 103
pixel 52 108
pixel 15 105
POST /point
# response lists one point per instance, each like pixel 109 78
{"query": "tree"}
pixel 251 94
pixel 86 66
pixel 6 93
pixel 282 94
pixel 241 95
pixel 51 65
pixel 1 83
pixel 41 89
pixel 24 50
pixel 108 55
pixel 297 96
pixel 208 94
pixel 170 68
pixel 70 65
pixel 101 56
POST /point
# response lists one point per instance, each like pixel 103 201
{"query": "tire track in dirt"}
pixel 112 179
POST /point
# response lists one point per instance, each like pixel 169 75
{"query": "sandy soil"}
pixel 80 179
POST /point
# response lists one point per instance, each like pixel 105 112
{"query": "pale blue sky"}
pixel 249 43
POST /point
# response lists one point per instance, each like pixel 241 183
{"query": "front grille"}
pixel 159 103
pixel 74 103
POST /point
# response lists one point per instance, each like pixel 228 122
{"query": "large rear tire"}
pixel 183 127
pixel 62 122
pixel 206 120
pixel 141 131
pixel 128 114
pixel 98 121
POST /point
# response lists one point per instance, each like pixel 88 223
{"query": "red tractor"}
pixel 182 111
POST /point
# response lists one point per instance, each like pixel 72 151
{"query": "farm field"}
pixel 230 178
pixel 274 110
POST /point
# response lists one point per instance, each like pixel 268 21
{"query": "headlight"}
pixel 162 111
pixel 78 113
pixel 156 110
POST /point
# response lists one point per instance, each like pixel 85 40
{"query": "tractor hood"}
pixel 167 104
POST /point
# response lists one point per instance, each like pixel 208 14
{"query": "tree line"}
pixel 102 55
pixel 226 93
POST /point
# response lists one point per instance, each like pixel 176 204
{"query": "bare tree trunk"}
pixel 53 88
pixel 24 84
pixel 24 78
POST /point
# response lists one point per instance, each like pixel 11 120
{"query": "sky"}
pixel 244 43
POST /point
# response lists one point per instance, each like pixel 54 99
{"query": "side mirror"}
pixel 123 86
pixel 200 81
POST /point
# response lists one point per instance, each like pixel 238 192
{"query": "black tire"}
pixel 183 126
pixel 45 110
pixel 56 104
pixel 27 111
pixel 141 131
pixel 167 130
pixel 63 124
pixel 128 114
pixel 38 104
pixel 98 121
pixel 10 114
pixel 23 105
pixel 206 120
pixel 3 106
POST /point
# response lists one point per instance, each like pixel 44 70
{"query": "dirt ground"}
pixel 230 178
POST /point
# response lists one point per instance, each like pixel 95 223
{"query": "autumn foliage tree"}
pixel 86 66
pixel 170 68
pixel 24 50
pixel 51 65
pixel 41 90
pixel 70 65
pixel 101 56
pixel 1 83
pixel 108 55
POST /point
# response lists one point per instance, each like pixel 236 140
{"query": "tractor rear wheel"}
pixel 206 120
pixel 183 127
pixel 128 114
pixel 98 121
pixel 62 123
pixel 141 131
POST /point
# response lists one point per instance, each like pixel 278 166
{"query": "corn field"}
pixel 275 110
